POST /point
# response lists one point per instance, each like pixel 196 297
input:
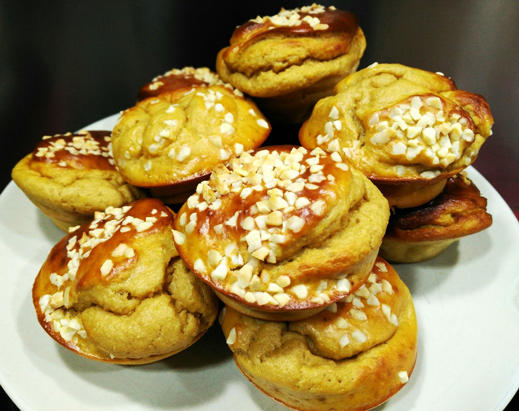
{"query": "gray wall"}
pixel 66 64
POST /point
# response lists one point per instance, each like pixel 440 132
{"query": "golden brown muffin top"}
pixel 458 211
pixel 299 21
pixel 262 212
pixel 179 79
pixel 98 254
pixel 397 124
pixel 174 138
pixel 103 279
pixel 79 151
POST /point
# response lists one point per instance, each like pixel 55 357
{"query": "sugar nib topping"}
pixel 296 17
pixel 278 196
pixel 420 130
pixel 58 307
pixel 82 144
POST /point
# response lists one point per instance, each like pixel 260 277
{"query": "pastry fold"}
pixel 421 233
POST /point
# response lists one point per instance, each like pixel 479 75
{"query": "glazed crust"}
pixel 167 142
pixel 282 232
pixel 352 357
pixel 291 66
pixel 421 233
pixel 400 125
pixel 69 177
pixel 103 282
pixel 179 81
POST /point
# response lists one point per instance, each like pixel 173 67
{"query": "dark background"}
pixel 66 64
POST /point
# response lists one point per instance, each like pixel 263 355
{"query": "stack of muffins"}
pixel 191 207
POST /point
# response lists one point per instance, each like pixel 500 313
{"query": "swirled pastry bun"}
pixel 421 233
pixel 71 176
pixel 406 129
pixel 282 232
pixel 179 80
pixel 116 291
pixel 353 356
pixel 292 59
pixel 171 142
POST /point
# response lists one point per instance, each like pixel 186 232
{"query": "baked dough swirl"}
pixel 421 233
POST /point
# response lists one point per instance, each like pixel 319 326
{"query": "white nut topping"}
pixel 107 267
pixel 358 315
pixel 295 224
pixel 179 237
pixel 200 266
pixel 403 377
pixel 419 132
pixel 301 291
pixel 359 336
pixel 292 18
pixel 283 281
pixel 342 323
pixel 231 338
pixel 344 340
pixel 220 272
pixel 279 195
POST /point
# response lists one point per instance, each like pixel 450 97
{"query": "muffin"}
pixel 353 356
pixel 407 130
pixel 71 176
pixel 179 80
pixel 282 232
pixel 116 291
pixel 421 233
pixel 289 61
pixel 169 143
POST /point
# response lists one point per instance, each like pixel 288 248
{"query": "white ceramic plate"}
pixel 467 302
